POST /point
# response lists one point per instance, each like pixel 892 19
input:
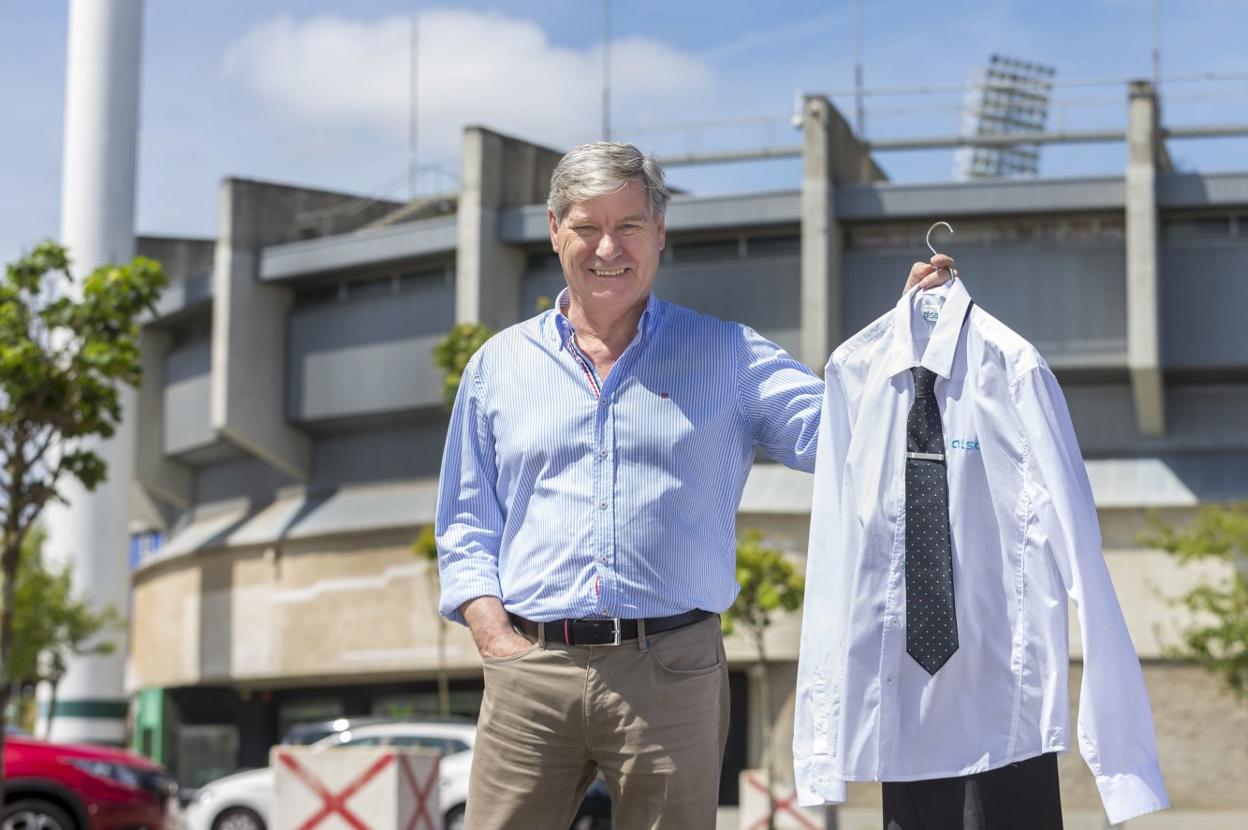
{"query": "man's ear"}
pixel 662 228
pixel 554 229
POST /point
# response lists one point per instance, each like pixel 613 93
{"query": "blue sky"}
pixel 315 92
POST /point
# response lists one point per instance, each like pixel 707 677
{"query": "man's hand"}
pixel 491 629
pixel 926 275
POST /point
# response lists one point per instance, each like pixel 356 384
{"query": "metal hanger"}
pixel 953 272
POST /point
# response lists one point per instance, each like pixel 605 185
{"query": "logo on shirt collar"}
pixel 968 444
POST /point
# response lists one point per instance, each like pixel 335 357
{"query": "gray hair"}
pixel 603 167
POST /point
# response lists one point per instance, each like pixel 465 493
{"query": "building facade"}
pixel 291 420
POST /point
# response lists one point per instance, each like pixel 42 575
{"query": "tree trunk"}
pixel 55 683
pixel 764 700
pixel 444 681
pixel 9 557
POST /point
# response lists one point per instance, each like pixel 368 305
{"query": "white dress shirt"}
pixel 1025 537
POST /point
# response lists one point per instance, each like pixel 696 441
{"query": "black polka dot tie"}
pixel 931 626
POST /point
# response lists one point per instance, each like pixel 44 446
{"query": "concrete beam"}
pixel 248 398
pixel 1143 322
pixel 498 172
pixel 158 475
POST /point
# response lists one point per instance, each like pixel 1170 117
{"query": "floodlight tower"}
pixel 1008 96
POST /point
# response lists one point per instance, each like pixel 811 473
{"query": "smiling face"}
pixel 609 247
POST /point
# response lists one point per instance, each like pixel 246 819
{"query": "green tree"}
pixel 52 624
pixel 454 351
pixel 66 349
pixel 770 585
pixel 426 547
pixel 1217 636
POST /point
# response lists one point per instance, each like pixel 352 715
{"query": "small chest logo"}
pixel 931 315
pixel 968 444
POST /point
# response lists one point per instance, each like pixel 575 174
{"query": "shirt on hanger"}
pixel 1025 536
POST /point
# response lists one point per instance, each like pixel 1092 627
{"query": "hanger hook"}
pixel 934 226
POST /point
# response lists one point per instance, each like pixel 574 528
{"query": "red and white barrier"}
pixel 355 789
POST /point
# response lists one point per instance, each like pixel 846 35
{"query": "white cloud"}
pixel 474 68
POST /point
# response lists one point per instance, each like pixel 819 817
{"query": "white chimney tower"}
pixel 97 226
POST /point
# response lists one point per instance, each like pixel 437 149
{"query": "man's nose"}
pixel 607 249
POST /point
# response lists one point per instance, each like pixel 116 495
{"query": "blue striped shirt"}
pixel 567 495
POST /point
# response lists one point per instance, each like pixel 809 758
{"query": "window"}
pixel 446 746
pixel 370 740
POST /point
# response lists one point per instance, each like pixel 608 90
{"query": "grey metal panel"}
pixel 186 410
pixel 389 453
pixel 763 293
pixel 1068 300
pixel 359 249
pixel 528 224
pixel 1199 418
pixel 883 200
pixel 248 479
pixel 1204 296
pixel 1178 190
pixel 366 357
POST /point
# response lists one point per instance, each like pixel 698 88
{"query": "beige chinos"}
pixel 651 714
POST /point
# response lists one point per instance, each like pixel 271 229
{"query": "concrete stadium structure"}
pixel 291 422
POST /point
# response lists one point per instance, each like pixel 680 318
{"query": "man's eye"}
pixel 630 228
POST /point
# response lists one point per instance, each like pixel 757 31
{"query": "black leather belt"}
pixel 608 631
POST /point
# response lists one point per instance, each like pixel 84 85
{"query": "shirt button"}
pixel 891 620
pixel 602 453
pixel 602 505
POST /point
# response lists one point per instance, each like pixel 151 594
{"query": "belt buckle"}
pixel 615 627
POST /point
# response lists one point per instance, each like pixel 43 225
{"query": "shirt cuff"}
pixel 815 782
pixel 1131 794
pixel 462 581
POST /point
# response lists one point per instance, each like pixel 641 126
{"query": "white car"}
pixel 244 801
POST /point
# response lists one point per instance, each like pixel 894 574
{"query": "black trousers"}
pixel 1022 796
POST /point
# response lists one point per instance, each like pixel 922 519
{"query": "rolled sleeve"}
pixel 469 520
pixel 780 400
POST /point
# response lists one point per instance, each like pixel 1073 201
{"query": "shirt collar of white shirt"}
pixel 938 356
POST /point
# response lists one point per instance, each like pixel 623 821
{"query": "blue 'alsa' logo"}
pixel 968 444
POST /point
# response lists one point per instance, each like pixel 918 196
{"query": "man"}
pixel 586 516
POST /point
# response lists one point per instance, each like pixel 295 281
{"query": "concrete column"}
pixel 831 155
pixel 821 288
pixel 498 172
pixel 97 225
pixel 1144 149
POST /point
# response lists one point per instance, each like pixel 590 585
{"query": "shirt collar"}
pixel 562 328
pixel 938 356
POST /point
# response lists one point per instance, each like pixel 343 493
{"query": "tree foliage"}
pixel 453 352
pixel 770 584
pixel 52 623
pixel 66 349
pixel 1217 636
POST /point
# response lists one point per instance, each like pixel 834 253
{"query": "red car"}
pixel 65 787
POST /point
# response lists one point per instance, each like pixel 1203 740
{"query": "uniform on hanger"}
pixel 1023 537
